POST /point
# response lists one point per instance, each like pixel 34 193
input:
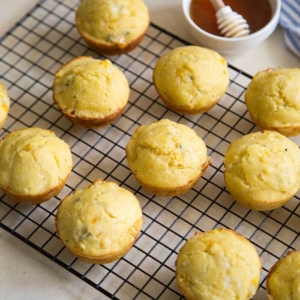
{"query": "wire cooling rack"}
pixel 30 53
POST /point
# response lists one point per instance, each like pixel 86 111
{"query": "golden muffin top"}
pixel 264 167
pixel 90 88
pixel 273 100
pixel 191 76
pixel 283 281
pixel 33 161
pixel 218 264
pixel 99 220
pixel 166 154
pixel 113 22
pixel 4 103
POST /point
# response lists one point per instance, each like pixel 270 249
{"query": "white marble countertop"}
pixel 25 273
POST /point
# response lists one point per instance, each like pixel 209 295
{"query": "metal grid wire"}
pixel 30 53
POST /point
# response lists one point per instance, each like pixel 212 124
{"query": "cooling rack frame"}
pixel 30 53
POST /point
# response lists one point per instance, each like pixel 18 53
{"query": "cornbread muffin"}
pixel 262 170
pixel 4 104
pixel 273 100
pixel 90 92
pixel 112 26
pixel 100 223
pixel 166 158
pixel 283 280
pixel 34 165
pixel 191 79
pixel 218 264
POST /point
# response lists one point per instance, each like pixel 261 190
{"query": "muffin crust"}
pixel 100 223
pixel 112 26
pixel 191 79
pixel 273 100
pixel 4 104
pixel 167 158
pixel 34 164
pixel 283 280
pixel 90 92
pixel 218 264
pixel 262 170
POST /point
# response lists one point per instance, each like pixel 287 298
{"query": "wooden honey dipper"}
pixel 230 23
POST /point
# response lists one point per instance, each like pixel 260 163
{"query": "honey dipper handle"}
pixel 217 4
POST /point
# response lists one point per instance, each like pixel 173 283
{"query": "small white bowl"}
pixel 232 45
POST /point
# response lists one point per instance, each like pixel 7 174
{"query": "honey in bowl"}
pixel 257 13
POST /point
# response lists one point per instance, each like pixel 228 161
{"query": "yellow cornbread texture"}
pixel 112 26
pixel 100 223
pixel 273 100
pixel 90 92
pixel 283 281
pixel 218 264
pixel 167 158
pixel 262 170
pixel 191 79
pixel 34 164
pixel 4 104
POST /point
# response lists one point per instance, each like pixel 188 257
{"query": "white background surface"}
pixel 26 274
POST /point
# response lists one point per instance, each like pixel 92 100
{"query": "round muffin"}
pixel 90 92
pixel 191 79
pixel 273 100
pixel 166 158
pixel 112 26
pixel 4 104
pixel 283 280
pixel 262 170
pixel 34 165
pixel 100 223
pixel 218 264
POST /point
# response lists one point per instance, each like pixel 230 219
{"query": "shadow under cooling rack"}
pixel 30 53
